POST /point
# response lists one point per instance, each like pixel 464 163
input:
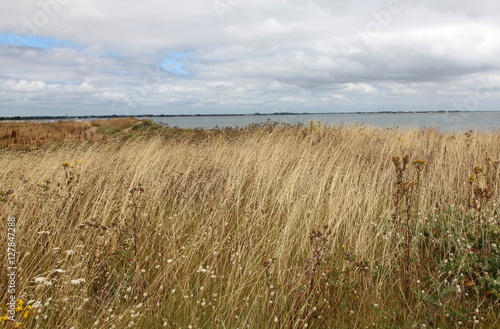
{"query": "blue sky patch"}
pixel 173 64
pixel 121 72
pixel 35 41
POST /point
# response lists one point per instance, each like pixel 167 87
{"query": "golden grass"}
pixel 255 228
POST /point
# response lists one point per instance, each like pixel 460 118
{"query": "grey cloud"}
pixel 352 55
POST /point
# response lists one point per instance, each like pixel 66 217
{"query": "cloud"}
pixel 123 56
pixel 25 86
pixel 361 88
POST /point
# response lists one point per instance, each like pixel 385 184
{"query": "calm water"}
pixel 482 121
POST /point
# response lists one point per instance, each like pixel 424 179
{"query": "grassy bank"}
pixel 31 135
pixel 264 227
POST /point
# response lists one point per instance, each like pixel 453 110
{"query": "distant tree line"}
pixel 65 117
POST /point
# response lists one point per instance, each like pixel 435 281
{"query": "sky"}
pixel 123 57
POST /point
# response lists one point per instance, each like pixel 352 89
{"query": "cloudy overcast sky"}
pixel 243 56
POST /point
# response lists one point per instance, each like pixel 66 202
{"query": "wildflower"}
pixel 43 280
pixel 77 281
pixel 419 164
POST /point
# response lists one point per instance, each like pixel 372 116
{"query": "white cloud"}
pixel 361 88
pixel 25 86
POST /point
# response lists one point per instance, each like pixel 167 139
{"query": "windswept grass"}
pixel 264 227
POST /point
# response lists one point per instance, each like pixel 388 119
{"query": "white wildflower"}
pixel 43 280
pixel 77 281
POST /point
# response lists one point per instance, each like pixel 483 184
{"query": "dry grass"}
pixel 32 135
pixel 272 227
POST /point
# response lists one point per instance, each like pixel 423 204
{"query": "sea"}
pixel 444 121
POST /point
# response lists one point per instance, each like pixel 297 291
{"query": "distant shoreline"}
pixel 91 117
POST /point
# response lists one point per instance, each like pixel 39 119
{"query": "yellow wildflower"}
pixel 419 164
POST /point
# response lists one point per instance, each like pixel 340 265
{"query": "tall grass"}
pixel 271 227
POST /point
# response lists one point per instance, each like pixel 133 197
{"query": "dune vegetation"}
pixel 268 226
